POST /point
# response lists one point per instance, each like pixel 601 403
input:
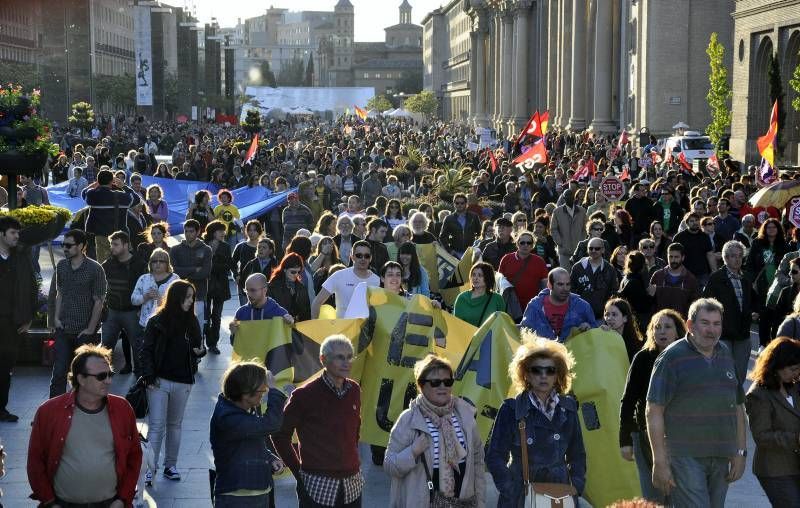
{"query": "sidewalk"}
pixel 30 389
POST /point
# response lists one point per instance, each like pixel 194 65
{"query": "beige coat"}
pixel 568 230
pixel 409 483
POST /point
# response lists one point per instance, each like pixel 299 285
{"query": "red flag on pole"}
pixel 626 174
pixel 251 152
pixel 492 160
pixel 530 129
pixel 685 166
pixel 544 120
pixel 537 154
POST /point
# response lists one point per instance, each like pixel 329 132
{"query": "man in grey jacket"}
pixel 191 260
pixel 371 187
pixel 567 228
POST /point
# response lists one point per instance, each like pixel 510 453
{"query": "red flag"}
pixel 766 143
pixel 592 167
pixel 626 174
pixel 536 154
pixel 251 152
pixel 492 160
pixel 685 166
pixel 544 119
pixel 712 166
pixel 581 174
pixel 531 128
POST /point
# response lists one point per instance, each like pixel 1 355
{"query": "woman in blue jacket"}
pixel 540 371
pixel 240 437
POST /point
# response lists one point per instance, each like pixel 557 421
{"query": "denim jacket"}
pixel 240 443
pixel 555 448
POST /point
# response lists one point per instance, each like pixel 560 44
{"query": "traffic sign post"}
pixel 794 212
pixel 612 188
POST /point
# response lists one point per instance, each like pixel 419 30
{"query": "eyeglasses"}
pixel 68 245
pixel 524 242
pixel 436 383
pixel 648 246
pixel 101 376
pixel 362 256
pixel 595 248
pixel 539 370
pixel 795 272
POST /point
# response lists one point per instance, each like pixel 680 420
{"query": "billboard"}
pixel 144 55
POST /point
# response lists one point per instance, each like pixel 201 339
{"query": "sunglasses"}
pixel 597 229
pixel 101 376
pixel 435 383
pixel 795 272
pixel 362 256
pixel 538 370
pixel 595 248
pixel 524 242
pixel 648 246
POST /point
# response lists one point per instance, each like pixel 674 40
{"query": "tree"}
pixel 424 103
pixel 776 95
pixel 82 116
pixel 410 83
pixel 310 70
pixel 379 103
pixel 265 76
pixel 795 83
pixel 719 92
pixel 252 121
pixel 292 73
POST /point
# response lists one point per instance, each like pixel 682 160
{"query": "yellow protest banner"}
pixel 482 376
pixel 439 264
pixel 318 329
pixel 267 341
pixel 601 366
pixel 459 280
pixel 397 333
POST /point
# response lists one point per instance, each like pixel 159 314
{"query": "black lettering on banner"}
pixel 591 418
pixel 398 338
pixel 482 366
pixel 486 411
pixel 385 401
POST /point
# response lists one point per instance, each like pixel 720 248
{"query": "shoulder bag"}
pixel 137 398
pixel 439 500
pixel 542 495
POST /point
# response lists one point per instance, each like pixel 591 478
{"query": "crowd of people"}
pixel 680 269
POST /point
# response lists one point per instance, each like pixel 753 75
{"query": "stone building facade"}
pixel 763 28
pixel 598 64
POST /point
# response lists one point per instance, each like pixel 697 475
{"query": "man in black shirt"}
pixel 17 301
pixel 700 257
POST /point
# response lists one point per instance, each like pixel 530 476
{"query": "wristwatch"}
pixel 741 452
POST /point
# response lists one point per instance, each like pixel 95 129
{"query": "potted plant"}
pixel 25 138
pixel 39 223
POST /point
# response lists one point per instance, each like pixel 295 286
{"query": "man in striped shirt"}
pixel 695 414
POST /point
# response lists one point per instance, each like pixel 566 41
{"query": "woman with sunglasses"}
pixel 151 287
pixel 665 327
pixel 171 347
pixel 435 441
pixel 393 215
pixel 540 373
pixel 286 287
pixel 415 277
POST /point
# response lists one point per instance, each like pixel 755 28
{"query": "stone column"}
pixel 565 83
pixel 552 51
pixel 577 119
pixel 478 63
pixel 603 62
pixel 521 114
pixel 558 57
pixel 507 63
pixel 498 55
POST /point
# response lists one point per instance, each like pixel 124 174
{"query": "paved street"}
pixel 30 387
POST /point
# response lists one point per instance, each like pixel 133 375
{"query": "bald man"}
pixel 259 305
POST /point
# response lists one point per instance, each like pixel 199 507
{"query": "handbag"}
pixel 539 494
pixel 137 398
pixel 439 500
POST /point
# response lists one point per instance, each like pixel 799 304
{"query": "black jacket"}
pixel 454 237
pixel 754 264
pixel 24 288
pixel 735 320
pixel 297 302
pixel 218 286
pixel 154 344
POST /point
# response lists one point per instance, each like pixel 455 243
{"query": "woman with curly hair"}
pixel 665 327
pixel 200 209
pixel 156 236
pixel 156 206
pixel 619 317
pixel 773 408
pixel 544 416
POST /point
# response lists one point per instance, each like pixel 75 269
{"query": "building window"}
pixel 377 75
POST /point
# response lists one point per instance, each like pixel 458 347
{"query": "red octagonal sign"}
pixel 612 188
pixel 794 212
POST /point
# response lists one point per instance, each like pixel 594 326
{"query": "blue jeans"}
pixel 226 501
pixel 66 344
pixel 128 320
pixel 699 481
pixel 781 490
pixel 645 469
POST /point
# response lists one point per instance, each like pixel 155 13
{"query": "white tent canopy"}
pixel 313 99
pixel 400 112
pixel 388 112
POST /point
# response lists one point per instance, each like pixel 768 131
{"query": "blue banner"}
pixel 251 201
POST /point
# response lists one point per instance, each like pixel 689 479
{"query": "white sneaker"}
pixel 171 473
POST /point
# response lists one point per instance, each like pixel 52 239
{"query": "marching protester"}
pixel 218 289
pixel 538 430
pixel 695 413
pixel 151 287
pixel 674 287
pixel 434 446
pixel 619 317
pixel 245 251
pixel 665 327
pixel 108 208
pixel 773 410
pixel 556 312
pixel 328 471
pixel 84 445
pixel 342 283
pixel 192 261
pixel 238 435
pixel 593 278
pixel 525 270
pixel 258 303
pixel 480 301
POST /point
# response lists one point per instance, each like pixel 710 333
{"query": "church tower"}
pixel 342 64
pixel 405 13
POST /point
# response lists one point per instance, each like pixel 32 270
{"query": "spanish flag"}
pixel 251 152
pixel 544 120
pixel 362 113
pixel 766 143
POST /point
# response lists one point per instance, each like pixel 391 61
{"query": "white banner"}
pixel 194 113
pixel 144 56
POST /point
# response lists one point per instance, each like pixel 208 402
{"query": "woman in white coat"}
pixel 151 287
pixel 436 439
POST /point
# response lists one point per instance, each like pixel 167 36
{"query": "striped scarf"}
pixel 451 453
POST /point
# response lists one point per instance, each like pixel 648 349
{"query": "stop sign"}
pixel 612 188
pixel 794 212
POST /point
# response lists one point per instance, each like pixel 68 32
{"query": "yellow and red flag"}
pixel 766 147
pixel 544 120
pixel 362 113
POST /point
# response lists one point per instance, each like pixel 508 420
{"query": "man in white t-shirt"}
pixel 344 282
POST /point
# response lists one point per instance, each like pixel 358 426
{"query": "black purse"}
pixel 137 398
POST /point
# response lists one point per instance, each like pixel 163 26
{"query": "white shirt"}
pixel 343 283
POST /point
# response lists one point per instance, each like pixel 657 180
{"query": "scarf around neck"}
pixel 451 453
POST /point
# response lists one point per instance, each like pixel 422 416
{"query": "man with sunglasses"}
pixel 593 278
pixel 84 448
pixel 526 271
pixel 344 282
pixel 77 295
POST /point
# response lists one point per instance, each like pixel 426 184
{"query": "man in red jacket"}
pixel 84 447
pixel 326 413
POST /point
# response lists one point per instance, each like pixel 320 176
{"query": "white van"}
pixel 693 145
